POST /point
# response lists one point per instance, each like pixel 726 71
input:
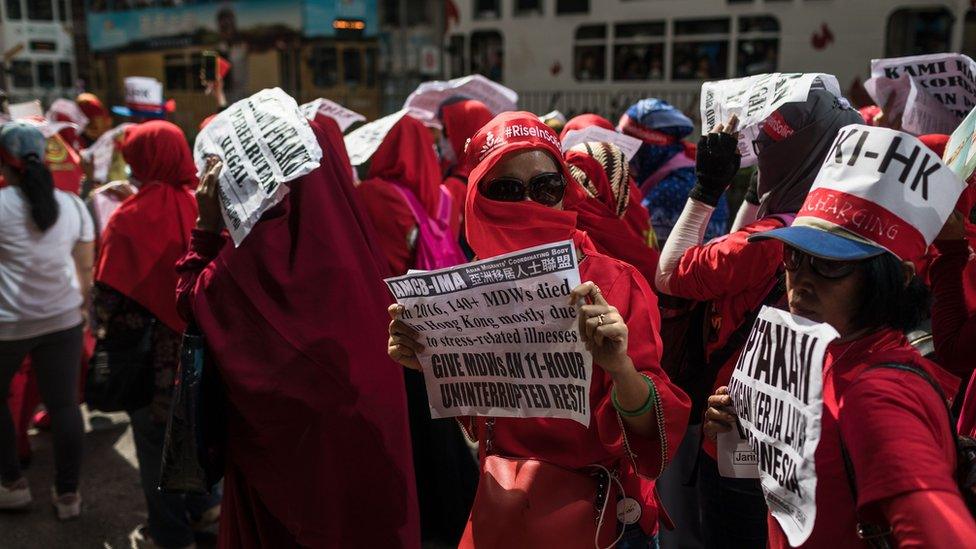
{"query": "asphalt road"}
pixel 112 502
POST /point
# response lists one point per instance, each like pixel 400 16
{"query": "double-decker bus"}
pixel 601 55
pixel 309 48
pixel 36 49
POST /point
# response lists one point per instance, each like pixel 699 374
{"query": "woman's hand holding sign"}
pixel 403 345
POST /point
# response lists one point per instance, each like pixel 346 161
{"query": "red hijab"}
pixel 461 120
pixel 407 157
pixel 296 319
pixel 495 228
pixel 150 231
pixel 585 121
pixel 602 213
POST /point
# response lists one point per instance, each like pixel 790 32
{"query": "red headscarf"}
pixel 296 320
pixel 461 120
pixel 585 121
pixel 150 231
pixel 99 118
pixel 604 214
pixel 495 228
pixel 407 157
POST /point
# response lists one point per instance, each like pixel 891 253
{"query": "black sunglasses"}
pixel 545 188
pixel 824 268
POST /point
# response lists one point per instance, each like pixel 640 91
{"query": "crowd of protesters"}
pixel 120 255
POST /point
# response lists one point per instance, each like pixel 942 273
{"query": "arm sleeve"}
pixel 687 233
pixel 896 430
pixel 929 519
pixel 746 215
pixel 191 269
pixel 637 304
pixel 953 330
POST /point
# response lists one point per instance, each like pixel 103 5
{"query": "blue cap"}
pixel 821 243
pixel 122 110
pixel 20 139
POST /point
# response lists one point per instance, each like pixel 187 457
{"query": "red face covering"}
pixel 495 228
pixel 407 156
pixel 585 121
pixel 461 120
pixel 150 231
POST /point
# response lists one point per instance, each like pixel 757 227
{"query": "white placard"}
pixel 425 101
pixel 143 91
pixel 736 457
pixel 264 141
pixel 26 109
pixel 364 140
pixel 627 144
pixel 69 109
pixel 754 98
pixel 102 150
pixel 932 93
pixel 777 393
pixel 342 116
pixel 501 337
pixel 960 152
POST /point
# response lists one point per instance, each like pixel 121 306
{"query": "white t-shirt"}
pixel 39 290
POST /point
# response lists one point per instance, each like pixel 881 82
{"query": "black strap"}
pixel 875 535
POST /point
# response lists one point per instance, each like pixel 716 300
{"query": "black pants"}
pixel 56 361
pixel 733 510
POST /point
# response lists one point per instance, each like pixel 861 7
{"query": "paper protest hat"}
pixel 144 97
pixel 878 190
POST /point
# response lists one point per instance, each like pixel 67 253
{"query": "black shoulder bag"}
pixel 120 373
pixel 879 536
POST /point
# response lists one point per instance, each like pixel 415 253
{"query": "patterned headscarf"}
pixel 601 169
pixel 661 127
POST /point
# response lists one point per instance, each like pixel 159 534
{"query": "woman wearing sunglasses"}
pixel 517 188
pixel 892 423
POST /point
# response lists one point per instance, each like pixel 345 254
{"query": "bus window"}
pixel 572 7
pixel 23 74
pixel 45 74
pixel 528 7
pixel 62 10
pixel 40 10
pixel 700 50
pixel 455 52
pixel 757 49
pixel 65 74
pixel 487 54
pixel 372 54
pixel 486 9
pixel 638 51
pixel 916 31
pixel 590 53
pixel 969 34
pixel 14 12
pixel 352 66
pixel 323 64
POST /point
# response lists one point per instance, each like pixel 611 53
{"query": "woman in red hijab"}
pixel 403 174
pixel 583 121
pixel 404 168
pixel 135 281
pixel 460 118
pixel 603 172
pixel 636 411
pixel 318 453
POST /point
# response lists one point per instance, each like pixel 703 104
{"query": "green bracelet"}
pixel 640 411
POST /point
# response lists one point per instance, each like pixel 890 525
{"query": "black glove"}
pixel 716 163
pixel 752 191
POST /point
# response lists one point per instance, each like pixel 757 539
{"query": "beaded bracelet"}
pixel 640 411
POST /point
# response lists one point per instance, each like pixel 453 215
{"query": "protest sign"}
pixel 102 150
pixel 65 108
pixel 777 393
pixel 736 457
pixel 960 152
pixel 627 144
pixel 25 109
pixel 426 100
pixel 501 338
pixel 264 141
pixel 342 116
pixel 754 98
pixel 931 93
pixel 362 142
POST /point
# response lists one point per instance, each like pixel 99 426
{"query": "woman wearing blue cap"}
pixel 46 250
pixel 886 460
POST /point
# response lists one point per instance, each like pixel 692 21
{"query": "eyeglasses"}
pixel 545 188
pixel 824 268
